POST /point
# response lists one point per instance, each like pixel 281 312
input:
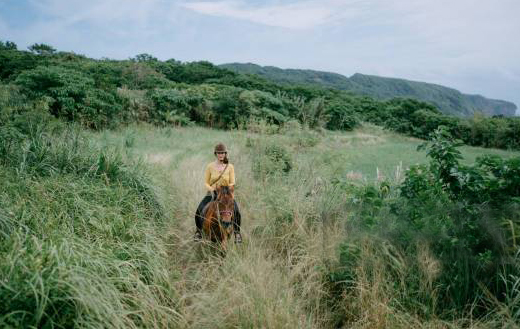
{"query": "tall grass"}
pixel 80 243
pixel 294 224
pixel 98 243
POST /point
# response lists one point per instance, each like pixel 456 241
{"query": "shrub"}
pixel 172 106
pixel 226 109
pixel 300 135
pixel 262 105
pixel 341 116
pixel 270 158
pixel 72 96
pixel 141 75
pixel 464 216
pixel 261 126
pixel 475 200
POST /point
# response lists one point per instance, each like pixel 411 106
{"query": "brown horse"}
pixel 218 216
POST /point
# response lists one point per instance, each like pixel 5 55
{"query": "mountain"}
pixel 448 100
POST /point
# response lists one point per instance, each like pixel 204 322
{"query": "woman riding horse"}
pixel 218 173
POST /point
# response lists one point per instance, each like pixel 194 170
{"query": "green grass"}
pixel 92 250
pixel 369 149
pixel 364 151
pixel 276 217
pixel 81 245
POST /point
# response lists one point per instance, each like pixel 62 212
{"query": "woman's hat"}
pixel 220 148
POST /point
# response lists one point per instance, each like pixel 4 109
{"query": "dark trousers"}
pixel 199 217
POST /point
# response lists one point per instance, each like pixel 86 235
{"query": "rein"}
pixel 219 217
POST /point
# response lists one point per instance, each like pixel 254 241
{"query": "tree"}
pixel 42 49
pixel 72 95
pixel 144 58
pixel 8 45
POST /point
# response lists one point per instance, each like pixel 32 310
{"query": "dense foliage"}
pixel 448 100
pixel 466 216
pixel 106 93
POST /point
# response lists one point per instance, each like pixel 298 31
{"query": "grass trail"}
pixel 274 279
pixel 256 285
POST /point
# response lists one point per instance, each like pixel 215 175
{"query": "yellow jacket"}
pixel 211 175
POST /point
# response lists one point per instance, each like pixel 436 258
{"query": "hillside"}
pixel 448 100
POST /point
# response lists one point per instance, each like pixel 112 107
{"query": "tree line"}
pixel 105 93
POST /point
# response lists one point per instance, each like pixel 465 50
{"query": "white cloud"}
pixel 442 41
pixel 299 15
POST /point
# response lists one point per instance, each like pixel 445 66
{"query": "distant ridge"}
pixel 448 100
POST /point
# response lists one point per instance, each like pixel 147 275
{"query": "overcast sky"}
pixel 470 45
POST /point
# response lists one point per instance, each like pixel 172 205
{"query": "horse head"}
pixel 225 203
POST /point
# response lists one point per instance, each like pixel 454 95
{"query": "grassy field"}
pixel 275 279
pixel 361 153
pixel 96 231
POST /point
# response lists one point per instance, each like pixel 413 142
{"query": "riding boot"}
pixel 198 235
pixel 237 218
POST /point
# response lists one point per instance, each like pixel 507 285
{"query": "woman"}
pixel 218 173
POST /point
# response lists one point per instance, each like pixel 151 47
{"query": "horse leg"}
pixel 207 229
pixel 224 243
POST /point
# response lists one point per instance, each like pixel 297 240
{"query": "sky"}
pixel 469 45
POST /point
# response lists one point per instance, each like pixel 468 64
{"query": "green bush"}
pixel 270 158
pixel 72 96
pixel 476 199
pixel 142 75
pixel 14 62
pixel 262 105
pixel 467 217
pixel 171 106
pixel 341 116
pixel 83 90
pixel 193 73
pixel 262 127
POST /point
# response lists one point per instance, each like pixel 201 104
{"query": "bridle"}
pixel 221 222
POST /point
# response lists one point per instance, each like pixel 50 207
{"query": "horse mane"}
pixel 225 190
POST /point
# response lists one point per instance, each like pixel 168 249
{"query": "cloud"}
pixel 117 18
pixel 298 15
pixel 455 43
